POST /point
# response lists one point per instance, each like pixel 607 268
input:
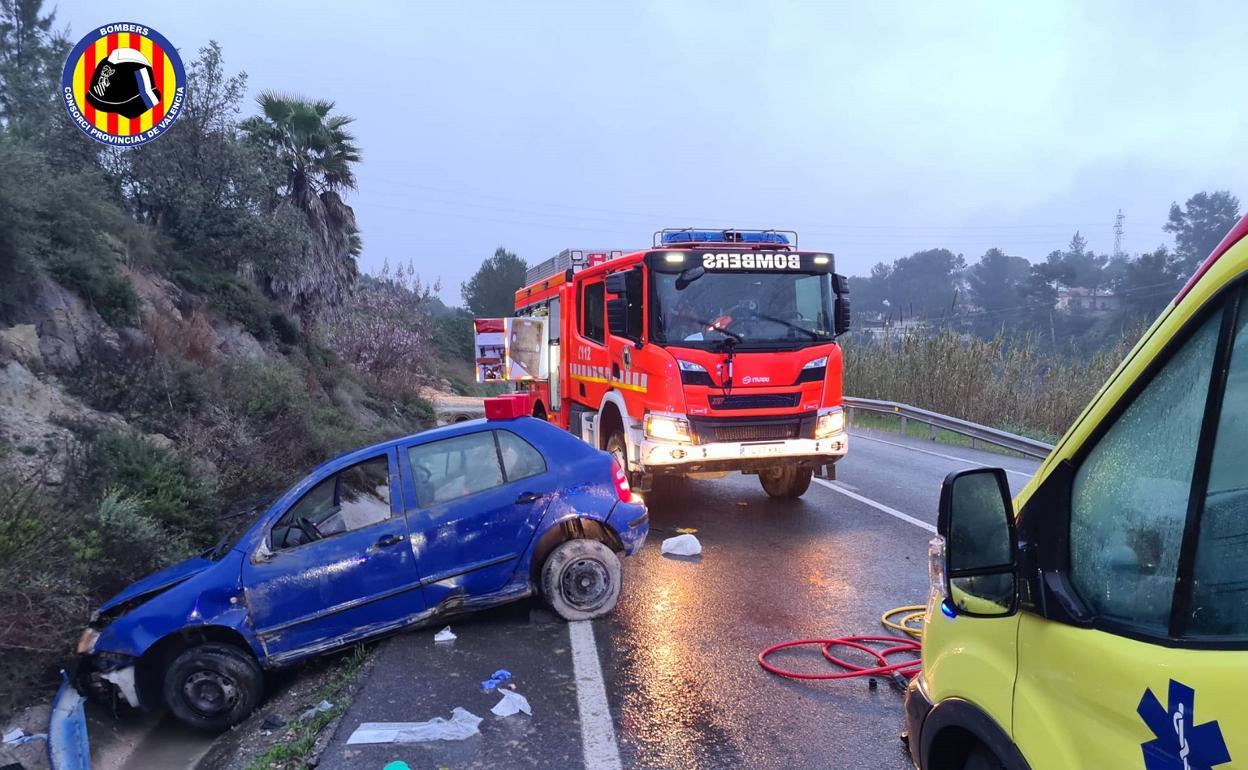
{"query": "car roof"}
pixel 523 425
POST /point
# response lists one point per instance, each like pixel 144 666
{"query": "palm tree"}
pixel 318 155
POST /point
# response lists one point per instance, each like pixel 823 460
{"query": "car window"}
pixel 454 467
pixel 1130 496
pixel 1220 575
pixel 594 304
pixel 520 458
pixel 351 499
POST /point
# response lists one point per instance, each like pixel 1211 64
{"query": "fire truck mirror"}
pixel 841 310
pixel 840 284
pixel 617 283
pixel 617 317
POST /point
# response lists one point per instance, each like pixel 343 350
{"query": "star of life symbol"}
pixel 1181 744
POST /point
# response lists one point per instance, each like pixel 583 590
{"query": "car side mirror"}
pixel 840 309
pixel 981 546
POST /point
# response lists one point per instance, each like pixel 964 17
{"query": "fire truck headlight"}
pixel 689 366
pixel 830 423
pixel 667 428
pixel 818 363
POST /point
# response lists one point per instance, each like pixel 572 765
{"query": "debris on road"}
pixel 462 724
pixel 318 708
pixel 272 722
pixel 512 703
pixel 445 635
pixel 497 678
pixel 686 530
pixel 682 545
pixel 397 764
pixel 17 737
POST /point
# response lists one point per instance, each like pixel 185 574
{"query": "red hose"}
pixel 907 668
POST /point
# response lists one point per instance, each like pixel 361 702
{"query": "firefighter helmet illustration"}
pixel 123 84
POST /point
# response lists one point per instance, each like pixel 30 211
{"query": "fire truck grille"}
pixel 709 431
pixel 759 401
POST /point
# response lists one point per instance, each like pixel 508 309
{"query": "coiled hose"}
pixel 881 648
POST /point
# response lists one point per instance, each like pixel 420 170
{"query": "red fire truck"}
pixel 713 351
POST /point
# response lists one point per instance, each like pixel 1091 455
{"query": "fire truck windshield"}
pixel 761 310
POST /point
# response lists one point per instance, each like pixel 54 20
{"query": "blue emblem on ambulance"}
pixel 1181 744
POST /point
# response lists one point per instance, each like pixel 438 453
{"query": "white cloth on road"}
pixel 682 545
pixel 512 703
pixel 444 635
pixel 462 724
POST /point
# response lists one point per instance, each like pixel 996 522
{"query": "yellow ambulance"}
pixel 1100 619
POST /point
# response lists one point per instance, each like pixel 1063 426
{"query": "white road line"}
pixel 597 730
pixel 938 454
pixel 877 506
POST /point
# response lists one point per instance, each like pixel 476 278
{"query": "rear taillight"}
pixel 621 482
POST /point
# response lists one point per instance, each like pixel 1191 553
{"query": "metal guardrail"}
pixel 1029 447
pixel 452 409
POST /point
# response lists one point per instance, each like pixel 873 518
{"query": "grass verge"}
pixel 299 737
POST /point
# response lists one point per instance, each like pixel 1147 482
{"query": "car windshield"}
pixel 756 309
pixel 233 525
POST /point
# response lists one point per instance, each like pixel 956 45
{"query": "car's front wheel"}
pixel 213 686
pixel 581 579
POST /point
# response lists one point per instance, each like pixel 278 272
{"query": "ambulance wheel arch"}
pixel 959 735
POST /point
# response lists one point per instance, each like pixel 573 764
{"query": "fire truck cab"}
pixel 713 351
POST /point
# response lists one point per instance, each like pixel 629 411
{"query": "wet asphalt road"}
pixel 678 654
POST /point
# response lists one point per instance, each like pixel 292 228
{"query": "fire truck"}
pixel 711 352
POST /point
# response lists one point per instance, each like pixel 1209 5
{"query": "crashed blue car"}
pixel 396 535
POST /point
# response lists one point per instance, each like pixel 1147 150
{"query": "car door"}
pixel 336 565
pixel 1152 674
pixel 474 502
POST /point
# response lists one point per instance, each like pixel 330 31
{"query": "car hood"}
pixel 159 581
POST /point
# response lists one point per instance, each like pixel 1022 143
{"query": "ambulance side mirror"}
pixel 840 309
pixel 981 546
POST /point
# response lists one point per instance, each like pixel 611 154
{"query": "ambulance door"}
pixel 589 367
pixel 1142 661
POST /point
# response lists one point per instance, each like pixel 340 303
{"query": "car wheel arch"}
pixel 954 727
pixel 571 528
pixel 151 664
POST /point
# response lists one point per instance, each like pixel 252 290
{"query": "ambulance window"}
pixel 1220 579
pixel 593 303
pixel 1130 496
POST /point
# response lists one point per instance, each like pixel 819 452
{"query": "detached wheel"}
pixel 787 482
pixel 581 579
pixel 213 686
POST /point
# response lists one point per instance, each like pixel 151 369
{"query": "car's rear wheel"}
pixel 786 482
pixel 581 579
pixel 213 686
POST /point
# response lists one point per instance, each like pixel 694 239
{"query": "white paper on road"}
pixel 512 703
pixel 682 545
pixel 444 635
pixel 462 724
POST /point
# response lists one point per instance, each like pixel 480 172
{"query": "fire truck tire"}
pixel 581 579
pixel 617 448
pixel 787 482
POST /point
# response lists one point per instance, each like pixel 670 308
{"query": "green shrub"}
pixel 171 494
pixel 96 280
pixel 232 297
pixel 265 391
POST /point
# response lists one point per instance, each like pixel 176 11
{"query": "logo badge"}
pixel 123 84
pixel 1181 744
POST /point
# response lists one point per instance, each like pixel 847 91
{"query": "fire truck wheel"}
pixel 619 450
pixel 581 579
pixel 786 483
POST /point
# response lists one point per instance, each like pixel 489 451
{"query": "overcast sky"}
pixel 874 129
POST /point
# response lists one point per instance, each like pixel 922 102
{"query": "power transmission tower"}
pixel 1118 220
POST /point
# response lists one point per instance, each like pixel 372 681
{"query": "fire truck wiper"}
pixel 812 334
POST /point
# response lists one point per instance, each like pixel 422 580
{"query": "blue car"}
pixel 400 534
